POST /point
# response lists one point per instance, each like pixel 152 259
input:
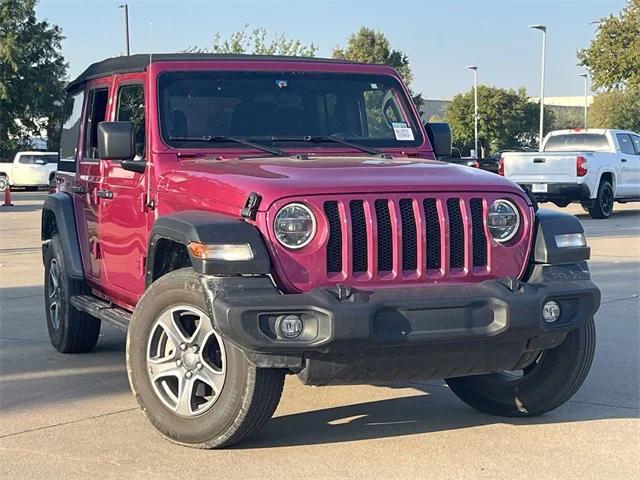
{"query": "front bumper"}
pixel 353 336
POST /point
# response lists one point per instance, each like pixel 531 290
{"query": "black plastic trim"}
pixel 549 224
pixel 61 205
pixel 211 228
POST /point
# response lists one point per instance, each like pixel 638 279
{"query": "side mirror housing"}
pixel 440 137
pixel 116 141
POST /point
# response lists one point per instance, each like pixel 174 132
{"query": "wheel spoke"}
pixel 213 378
pixel 204 330
pixel 185 396
pixel 168 324
pixel 164 367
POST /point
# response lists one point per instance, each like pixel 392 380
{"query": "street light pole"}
pixel 475 101
pixel 586 96
pixel 543 29
pixel 126 27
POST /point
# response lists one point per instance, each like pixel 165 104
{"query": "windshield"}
pixel 35 159
pixel 583 142
pixel 371 110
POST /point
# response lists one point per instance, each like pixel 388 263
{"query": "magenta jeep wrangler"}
pixel 245 218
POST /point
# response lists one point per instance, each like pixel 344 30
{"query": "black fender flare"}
pixel 550 223
pixel 60 206
pixel 210 228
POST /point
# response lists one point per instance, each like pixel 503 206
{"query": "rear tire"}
pixel 70 330
pixel 603 206
pixel 546 384
pixel 4 183
pixel 228 398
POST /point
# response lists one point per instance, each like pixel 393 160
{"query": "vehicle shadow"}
pixel 436 410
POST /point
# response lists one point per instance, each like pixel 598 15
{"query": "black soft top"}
pixel 139 62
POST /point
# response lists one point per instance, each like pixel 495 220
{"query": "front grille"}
pixel 406 237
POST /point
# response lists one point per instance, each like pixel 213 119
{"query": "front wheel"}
pixel 551 379
pixel 4 183
pixel 194 387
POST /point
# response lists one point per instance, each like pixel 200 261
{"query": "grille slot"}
pixel 456 234
pixel 385 238
pixel 479 239
pixel 360 260
pixel 409 235
pixel 334 245
pixel 433 233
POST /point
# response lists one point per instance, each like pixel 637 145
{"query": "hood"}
pixel 277 178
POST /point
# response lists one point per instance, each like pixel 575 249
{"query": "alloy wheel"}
pixel 186 361
pixel 54 293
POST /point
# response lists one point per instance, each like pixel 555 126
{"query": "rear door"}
pixel 123 212
pixel 88 179
pixel 627 159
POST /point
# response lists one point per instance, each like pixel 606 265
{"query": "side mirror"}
pixel 116 141
pixel 440 137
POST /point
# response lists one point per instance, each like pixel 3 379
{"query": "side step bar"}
pixel 95 307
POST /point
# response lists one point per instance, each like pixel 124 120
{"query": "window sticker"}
pixel 403 132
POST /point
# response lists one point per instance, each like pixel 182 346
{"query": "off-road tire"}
pixel 554 380
pixel 248 399
pixel 76 331
pixel 603 205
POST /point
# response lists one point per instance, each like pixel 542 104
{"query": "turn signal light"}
pixel 581 166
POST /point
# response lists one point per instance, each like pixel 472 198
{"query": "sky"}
pixel 439 37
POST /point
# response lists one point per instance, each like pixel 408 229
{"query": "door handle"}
pixel 77 189
pixel 105 194
pixel 623 160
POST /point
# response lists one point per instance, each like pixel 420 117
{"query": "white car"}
pixel 594 167
pixel 29 170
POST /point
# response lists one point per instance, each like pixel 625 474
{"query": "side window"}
pixel 70 131
pixel 131 109
pixel 96 113
pixel 636 143
pixel 625 143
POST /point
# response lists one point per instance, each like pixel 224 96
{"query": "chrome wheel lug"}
pixel 189 374
pixel 179 363
pixel 198 365
pixel 183 346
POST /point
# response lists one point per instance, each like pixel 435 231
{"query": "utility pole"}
pixel 126 27
pixel 586 96
pixel 543 29
pixel 475 101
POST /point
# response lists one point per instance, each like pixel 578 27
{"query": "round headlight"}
pixel 503 220
pixel 295 225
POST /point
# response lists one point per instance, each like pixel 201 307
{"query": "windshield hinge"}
pixel 251 205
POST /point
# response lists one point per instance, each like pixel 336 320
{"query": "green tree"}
pixel 613 58
pixel 371 46
pixel 507 119
pixel 255 41
pixel 32 73
pixel 616 109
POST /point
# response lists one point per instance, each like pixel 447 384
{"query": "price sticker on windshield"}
pixel 402 131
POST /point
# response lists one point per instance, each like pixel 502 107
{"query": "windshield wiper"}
pixel 221 138
pixel 332 138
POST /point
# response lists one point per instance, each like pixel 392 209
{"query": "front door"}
pixel 123 206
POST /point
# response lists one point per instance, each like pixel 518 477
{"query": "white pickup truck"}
pixel 29 170
pixel 594 167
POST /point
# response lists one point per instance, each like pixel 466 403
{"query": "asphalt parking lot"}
pixel 72 416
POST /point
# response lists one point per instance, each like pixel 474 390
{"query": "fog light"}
pixel 289 326
pixel 551 312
